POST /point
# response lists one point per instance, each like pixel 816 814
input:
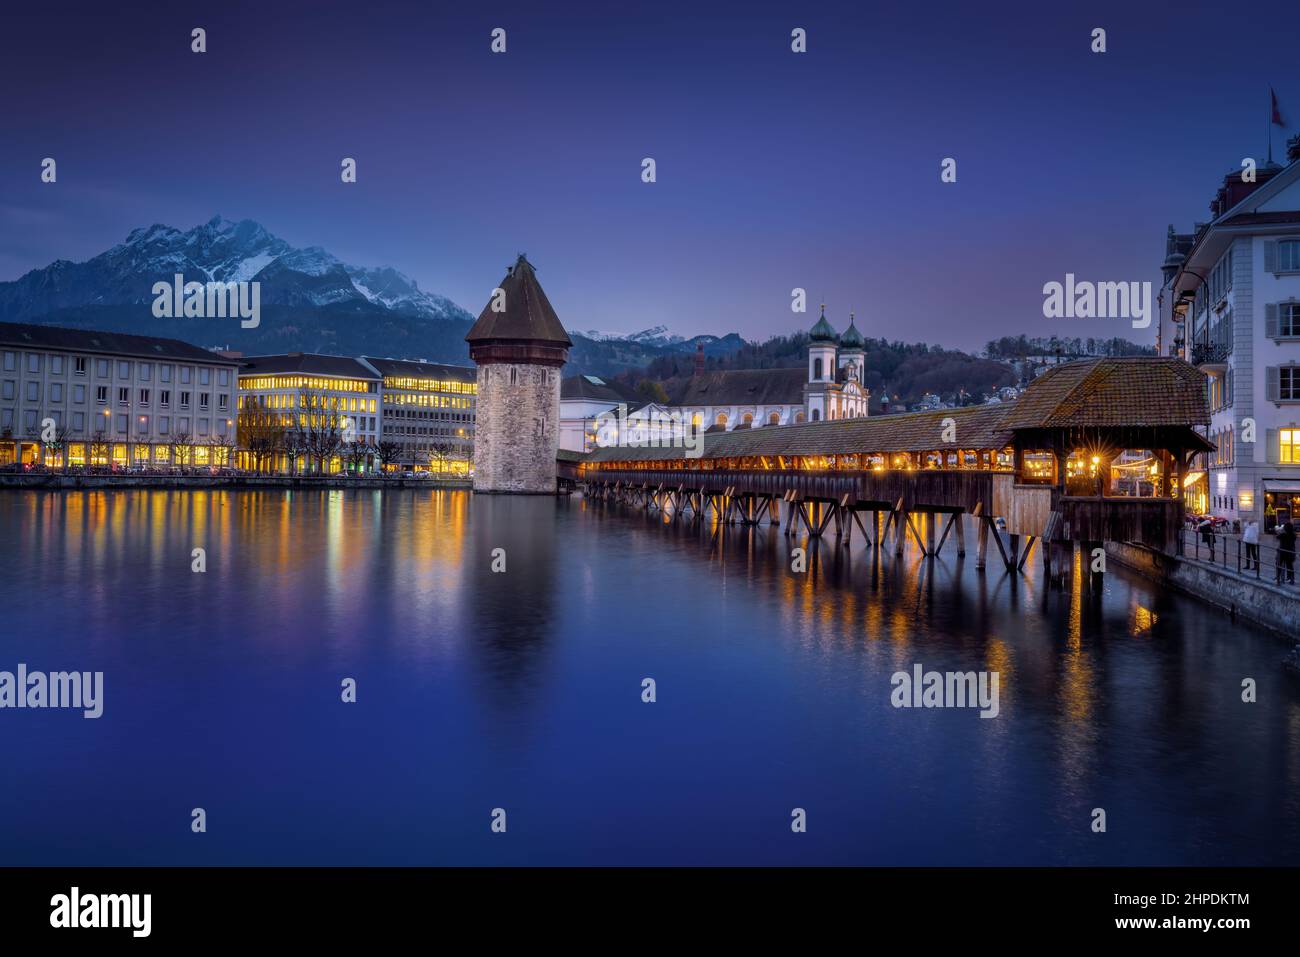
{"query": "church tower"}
pixel 821 370
pixel 854 394
pixel 519 347
pixel 853 347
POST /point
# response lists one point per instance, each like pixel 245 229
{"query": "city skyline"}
pixel 772 167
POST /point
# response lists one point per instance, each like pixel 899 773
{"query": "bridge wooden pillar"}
pixel 960 519
pixel 982 544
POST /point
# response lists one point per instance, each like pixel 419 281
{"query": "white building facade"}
pixel 1233 303
pixel 82 398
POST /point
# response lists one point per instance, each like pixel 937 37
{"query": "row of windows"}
pixel 58 365
pixel 428 401
pixel 430 385
pixel 311 400
pixel 445 416
pixel 424 430
pixel 269 383
pixel 144 397
pixel 31 420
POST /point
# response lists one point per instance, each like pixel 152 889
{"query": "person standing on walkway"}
pixel 1251 537
pixel 1286 553
pixel 1206 528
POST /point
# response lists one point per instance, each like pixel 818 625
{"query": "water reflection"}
pixel 522 689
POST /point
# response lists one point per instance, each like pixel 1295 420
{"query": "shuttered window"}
pixel 1282 255
pixel 1282 383
pixel 1282 319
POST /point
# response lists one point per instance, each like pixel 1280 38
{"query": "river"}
pixel 521 690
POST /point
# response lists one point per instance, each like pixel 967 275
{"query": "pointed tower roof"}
pixel 528 315
pixel 852 339
pixel 822 331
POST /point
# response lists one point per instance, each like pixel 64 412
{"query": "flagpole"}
pixel 1270 125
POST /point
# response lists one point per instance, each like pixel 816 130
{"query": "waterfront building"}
pixel 585 401
pixel 426 415
pixel 302 412
pixel 519 347
pixel 112 399
pixel 1231 299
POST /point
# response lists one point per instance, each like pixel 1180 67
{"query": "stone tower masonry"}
pixel 519 347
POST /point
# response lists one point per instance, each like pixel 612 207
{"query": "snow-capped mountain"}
pixel 654 336
pixel 218 250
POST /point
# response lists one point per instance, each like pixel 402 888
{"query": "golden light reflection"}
pixel 1144 620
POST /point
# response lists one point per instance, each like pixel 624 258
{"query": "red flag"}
pixel 1277 113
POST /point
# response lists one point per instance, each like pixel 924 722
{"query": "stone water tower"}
pixel 519 347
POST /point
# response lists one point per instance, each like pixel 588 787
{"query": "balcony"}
pixel 1210 354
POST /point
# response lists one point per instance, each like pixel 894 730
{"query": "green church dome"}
pixel 823 331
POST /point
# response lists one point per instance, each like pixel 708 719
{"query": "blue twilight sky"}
pixel 775 170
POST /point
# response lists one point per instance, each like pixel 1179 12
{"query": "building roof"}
pixel 307 363
pixel 978 427
pixel 743 387
pixel 822 331
pixel 414 369
pixel 1137 391
pixel 31 336
pixel 597 389
pixel 527 317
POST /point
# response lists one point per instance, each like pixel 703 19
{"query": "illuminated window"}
pixel 1290 446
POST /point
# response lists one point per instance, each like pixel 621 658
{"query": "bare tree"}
pixel 439 452
pixel 354 454
pixel 100 448
pixel 57 443
pixel 388 452
pixel 261 432
pixel 182 449
pixel 220 450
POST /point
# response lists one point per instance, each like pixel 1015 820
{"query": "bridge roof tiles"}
pixel 1140 391
pixel 977 427
pixel 1143 391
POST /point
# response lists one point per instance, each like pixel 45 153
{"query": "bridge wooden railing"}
pixel 919 490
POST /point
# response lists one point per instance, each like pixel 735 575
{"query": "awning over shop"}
pixel 1285 486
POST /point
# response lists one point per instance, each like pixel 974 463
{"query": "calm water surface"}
pixel 523 691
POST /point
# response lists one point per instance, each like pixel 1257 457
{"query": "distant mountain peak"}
pixel 220 250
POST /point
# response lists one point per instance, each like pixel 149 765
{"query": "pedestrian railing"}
pixel 1265 563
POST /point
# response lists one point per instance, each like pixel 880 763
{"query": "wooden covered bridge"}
pixel 1093 451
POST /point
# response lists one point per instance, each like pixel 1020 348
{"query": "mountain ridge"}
pixel 219 250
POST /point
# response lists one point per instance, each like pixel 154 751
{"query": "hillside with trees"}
pixel 905 370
